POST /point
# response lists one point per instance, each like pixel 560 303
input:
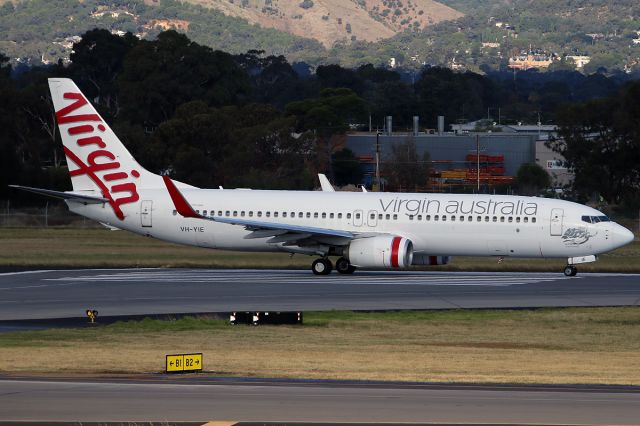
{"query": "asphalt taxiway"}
pixel 206 399
pixel 125 292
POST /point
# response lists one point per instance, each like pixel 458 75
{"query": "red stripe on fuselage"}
pixel 395 248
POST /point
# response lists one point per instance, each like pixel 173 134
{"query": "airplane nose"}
pixel 622 235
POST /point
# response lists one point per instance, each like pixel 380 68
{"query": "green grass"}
pixel 323 319
pixel 572 345
pixel 94 247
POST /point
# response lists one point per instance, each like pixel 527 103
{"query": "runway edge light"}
pixel 92 314
pixel 183 363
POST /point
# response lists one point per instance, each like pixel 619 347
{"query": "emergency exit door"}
pixel 146 206
pixel 556 221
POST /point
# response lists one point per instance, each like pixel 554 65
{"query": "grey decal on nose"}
pixel 576 236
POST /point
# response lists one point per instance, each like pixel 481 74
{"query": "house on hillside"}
pixel 530 60
pixel 579 60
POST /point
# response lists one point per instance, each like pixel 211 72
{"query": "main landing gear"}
pixel 343 266
pixel 570 270
pixel 323 266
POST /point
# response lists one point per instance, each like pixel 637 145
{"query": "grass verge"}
pixel 573 345
pixel 91 247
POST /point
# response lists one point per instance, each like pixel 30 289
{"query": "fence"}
pixel 49 213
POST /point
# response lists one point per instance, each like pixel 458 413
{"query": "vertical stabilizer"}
pixel 98 162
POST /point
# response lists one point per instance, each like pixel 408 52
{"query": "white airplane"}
pixel 365 230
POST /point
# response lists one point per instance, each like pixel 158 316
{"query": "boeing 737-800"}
pixel 364 230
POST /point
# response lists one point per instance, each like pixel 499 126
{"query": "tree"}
pixel 5 67
pixel 600 140
pixel 96 62
pixel 532 178
pixel 326 116
pixel 335 76
pixel 162 74
pixel 346 168
pixel 454 95
pixel 404 169
pixel 394 98
pixel 273 79
pixel 238 146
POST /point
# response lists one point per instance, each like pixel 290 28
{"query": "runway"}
pixel 116 292
pixel 206 399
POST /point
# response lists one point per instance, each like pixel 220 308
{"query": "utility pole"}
pixel 478 160
pixel 378 160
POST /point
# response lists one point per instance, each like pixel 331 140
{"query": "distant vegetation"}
pixel 36 30
pixel 201 115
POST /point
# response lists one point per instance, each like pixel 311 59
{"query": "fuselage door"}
pixel 556 221
pixel 145 213
pixel 357 218
pixel 372 218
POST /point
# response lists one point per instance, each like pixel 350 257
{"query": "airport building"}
pixel 456 154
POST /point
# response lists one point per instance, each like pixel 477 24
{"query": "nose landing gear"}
pixel 570 270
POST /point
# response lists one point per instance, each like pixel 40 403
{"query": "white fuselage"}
pixel 365 229
pixel 437 224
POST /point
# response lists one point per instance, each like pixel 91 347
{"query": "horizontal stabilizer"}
pixel 70 196
pixel 110 227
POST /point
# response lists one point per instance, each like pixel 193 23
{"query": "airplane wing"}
pixel 279 232
pixel 71 196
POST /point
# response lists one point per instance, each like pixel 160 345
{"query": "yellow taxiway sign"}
pixel 183 363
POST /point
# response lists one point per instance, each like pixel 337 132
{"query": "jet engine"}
pixel 384 251
pixel 428 260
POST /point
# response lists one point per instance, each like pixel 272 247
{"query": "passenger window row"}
pixel 452 218
pixel 372 216
pixel 242 213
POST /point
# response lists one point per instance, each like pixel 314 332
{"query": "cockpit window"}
pixel 595 219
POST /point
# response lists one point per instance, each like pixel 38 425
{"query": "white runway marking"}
pixel 295 277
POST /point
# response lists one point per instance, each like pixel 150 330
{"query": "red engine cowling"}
pixel 384 251
pixel 428 260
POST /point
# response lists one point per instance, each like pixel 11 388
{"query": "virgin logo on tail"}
pixel 88 129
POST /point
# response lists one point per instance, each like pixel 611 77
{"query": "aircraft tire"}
pixel 570 271
pixel 321 266
pixel 344 267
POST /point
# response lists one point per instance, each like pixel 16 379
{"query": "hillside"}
pixel 329 21
pixel 603 35
pixel 43 31
pixel 477 35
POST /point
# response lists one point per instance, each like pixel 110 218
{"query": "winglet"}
pixel 181 204
pixel 324 183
